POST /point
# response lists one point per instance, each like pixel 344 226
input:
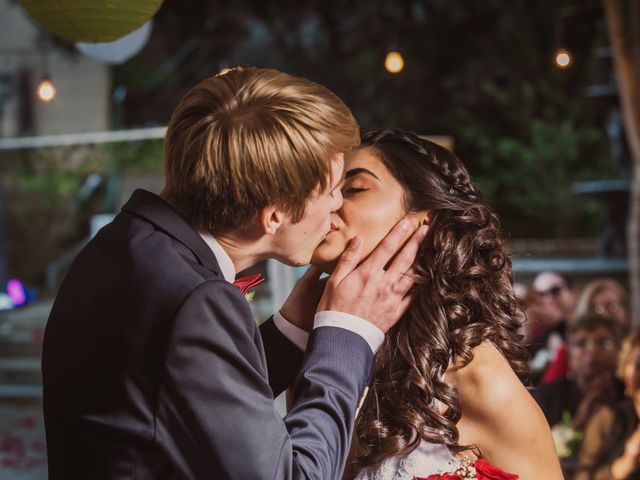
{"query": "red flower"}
pixel 486 471
pixel 250 281
pixel 441 476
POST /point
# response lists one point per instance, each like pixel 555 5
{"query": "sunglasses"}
pixel 554 291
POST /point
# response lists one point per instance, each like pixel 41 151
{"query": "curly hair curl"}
pixel 463 296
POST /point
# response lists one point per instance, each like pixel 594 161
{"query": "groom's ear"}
pixel 271 218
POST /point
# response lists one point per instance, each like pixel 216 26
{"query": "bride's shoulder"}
pixel 487 382
pixel 501 418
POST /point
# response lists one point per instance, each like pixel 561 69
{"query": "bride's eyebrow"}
pixel 355 171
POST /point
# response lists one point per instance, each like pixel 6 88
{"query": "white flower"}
pixel 562 434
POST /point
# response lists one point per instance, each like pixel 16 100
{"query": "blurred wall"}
pixel 82 103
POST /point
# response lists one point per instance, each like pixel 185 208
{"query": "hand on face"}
pixel 373 202
pixel 369 291
pixel 599 391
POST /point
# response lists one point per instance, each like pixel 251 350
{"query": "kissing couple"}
pixel 154 368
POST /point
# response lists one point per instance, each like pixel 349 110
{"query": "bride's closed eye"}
pixel 355 189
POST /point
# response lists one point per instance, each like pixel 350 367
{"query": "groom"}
pixel 153 366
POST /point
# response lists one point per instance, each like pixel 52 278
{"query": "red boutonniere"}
pixel 250 281
pixel 478 470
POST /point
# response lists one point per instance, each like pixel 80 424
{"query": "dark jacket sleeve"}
pixel 284 358
pixel 215 416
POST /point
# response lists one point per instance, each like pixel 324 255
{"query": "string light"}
pixel 394 63
pixel 563 58
pixel 46 90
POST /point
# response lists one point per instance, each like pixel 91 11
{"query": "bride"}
pixel 446 395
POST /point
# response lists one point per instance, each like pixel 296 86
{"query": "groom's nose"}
pixel 336 200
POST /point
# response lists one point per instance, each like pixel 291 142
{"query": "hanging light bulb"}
pixel 46 90
pixel 394 63
pixel 563 58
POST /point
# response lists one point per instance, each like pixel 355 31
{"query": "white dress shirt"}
pixel 372 334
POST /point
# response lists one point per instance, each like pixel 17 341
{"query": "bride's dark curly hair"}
pixel 463 296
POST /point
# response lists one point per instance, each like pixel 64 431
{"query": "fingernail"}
pixel 355 242
pixel 424 229
pixel 405 224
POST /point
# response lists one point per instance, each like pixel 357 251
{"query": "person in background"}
pixel 603 296
pixel 549 309
pixel 608 297
pixel 568 403
pixel 611 445
pixel 593 342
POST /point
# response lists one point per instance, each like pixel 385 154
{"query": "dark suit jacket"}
pixel 154 368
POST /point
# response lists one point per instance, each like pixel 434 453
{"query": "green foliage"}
pixel 528 173
pixel 48 205
pixel 479 71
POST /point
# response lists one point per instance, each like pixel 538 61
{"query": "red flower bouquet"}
pixel 478 470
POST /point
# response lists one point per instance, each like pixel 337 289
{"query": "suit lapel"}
pixel 156 210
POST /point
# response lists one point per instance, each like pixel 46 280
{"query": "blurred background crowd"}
pixel 585 370
pixel 539 98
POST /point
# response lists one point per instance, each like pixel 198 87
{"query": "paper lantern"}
pixel 118 51
pixel 91 20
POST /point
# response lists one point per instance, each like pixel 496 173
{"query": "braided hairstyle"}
pixel 463 296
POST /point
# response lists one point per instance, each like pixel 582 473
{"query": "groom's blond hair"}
pixel 249 138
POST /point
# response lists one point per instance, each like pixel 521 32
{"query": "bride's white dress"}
pixel 427 459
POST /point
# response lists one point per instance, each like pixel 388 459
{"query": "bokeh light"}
pixel 46 90
pixel 394 63
pixel 563 58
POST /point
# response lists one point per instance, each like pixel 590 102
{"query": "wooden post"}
pixel 624 45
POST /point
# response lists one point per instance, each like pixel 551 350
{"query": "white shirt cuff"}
pixel 367 330
pixel 296 335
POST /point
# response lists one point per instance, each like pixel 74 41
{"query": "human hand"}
pixel 301 304
pixel 599 391
pixel 368 290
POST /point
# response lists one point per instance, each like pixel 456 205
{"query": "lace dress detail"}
pixel 427 459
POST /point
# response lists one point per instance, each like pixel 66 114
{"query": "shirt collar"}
pixel 224 260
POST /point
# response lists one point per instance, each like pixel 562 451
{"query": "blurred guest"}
pixel 611 445
pixel 608 297
pixel 605 297
pixel 593 342
pixel 549 307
